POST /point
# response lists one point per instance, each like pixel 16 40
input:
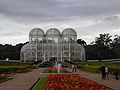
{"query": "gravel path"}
pixel 22 81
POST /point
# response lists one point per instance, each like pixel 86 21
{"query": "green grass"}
pixel 89 71
pixel 97 65
pixel 22 66
pixel 13 67
pixel 14 63
pixel 5 79
pixel 41 84
pixel 6 65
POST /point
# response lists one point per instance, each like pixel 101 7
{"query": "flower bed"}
pixel 96 71
pixel 2 76
pixel 54 70
pixel 72 82
pixel 24 70
pixel 5 77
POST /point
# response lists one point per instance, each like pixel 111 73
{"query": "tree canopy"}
pixel 104 47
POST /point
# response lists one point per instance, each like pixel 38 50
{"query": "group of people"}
pixel 105 71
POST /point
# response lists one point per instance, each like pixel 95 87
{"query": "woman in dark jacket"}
pixel 103 72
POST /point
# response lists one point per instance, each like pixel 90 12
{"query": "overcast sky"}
pixel 88 17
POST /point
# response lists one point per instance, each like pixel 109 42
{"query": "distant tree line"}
pixel 103 47
pixel 10 51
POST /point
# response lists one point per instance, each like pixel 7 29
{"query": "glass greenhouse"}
pixel 52 45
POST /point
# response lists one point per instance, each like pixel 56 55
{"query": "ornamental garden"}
pixel 64 80
pixel 57 53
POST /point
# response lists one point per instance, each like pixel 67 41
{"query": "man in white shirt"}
pixel 106 72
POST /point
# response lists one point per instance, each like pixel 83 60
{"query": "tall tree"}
pixel 116 46
pixel 82 42
pixel 104 39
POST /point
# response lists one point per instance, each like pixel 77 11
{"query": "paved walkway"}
pixel 22 81
pixel 25 81
pixel 112 83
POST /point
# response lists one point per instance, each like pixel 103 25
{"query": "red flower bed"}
pixel 89 70
pixel 2 75
pixel 72 82
pixel 97 71
pixel 55 70
pixel 24 70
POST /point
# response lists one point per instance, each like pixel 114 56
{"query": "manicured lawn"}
pixel 5 67
pixel 13 66
pixel 96 65
pixel 41 84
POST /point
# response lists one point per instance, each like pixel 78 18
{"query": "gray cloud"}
pixel 47 10
pixel 87 17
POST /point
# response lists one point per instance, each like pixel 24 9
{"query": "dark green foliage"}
pixel 82 42
pixel 10 51
pixel 104 47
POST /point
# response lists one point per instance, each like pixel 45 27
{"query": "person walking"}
pixel 107 72
pixel 103 72
pixel 75 68
pixel 116 73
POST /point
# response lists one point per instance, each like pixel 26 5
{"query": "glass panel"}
pixel 66 54
pixel 50 40
pixel 66 47
pixel 34 40
pixel 72 39
pixel 66 40
pixel 40 40
pixel 55 40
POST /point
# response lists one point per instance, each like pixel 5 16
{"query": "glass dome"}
pixel 52 32
pixel 24 47
pixel 36 32
pixel 69 32
pixel 28 47
pixel 52 45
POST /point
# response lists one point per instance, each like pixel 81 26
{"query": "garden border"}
pixel 34 84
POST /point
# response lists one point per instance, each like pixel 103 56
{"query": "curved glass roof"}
pixel 69 32
pixel 52 32
pixel 36 32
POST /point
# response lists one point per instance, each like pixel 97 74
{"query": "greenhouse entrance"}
pixel 53 59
